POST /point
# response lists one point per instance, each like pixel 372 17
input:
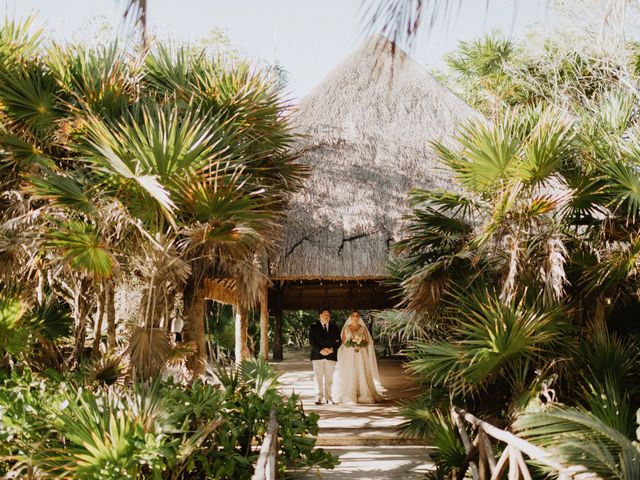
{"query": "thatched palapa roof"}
pixel 367 130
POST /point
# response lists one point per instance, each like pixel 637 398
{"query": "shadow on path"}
pixel 365 437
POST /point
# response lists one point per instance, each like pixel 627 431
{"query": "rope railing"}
pixel 266 466
pixel 480 454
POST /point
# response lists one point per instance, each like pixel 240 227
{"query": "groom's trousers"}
pixel 323 372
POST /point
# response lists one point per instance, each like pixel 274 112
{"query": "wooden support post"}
pixel 502 465
pixel 277 334
pixel 264 322
pixel 465 441
pixel 514 468
pixel 484 472
pixel 485 446
pixel 524 469
pixel 241 350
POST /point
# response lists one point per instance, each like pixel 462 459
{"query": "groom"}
pixel 324 338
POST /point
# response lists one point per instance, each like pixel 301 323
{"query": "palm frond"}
pixel 548 147
pixel 589 197
pixel 489 338
pixel 13 336
pixel 623 184
pixel 258 372
pixel 169 72
pixel 497 333
pixel 429 423
pixel 18 40
pixel 615 111
pixel 610 402
pixel 148 350
pixel 83 248
pixel 100 80
pixel 607 275
pixel 32 100
pixel 576 437
pixel 137 11
pixel 399 20
pixel 63 190
pixel 105 370
pixel 406 326
pixel 20 152
pixel 488 155
pixel 51 319
pixel 604 356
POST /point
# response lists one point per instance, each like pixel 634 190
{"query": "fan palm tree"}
pixel 173 167
pixel 546 217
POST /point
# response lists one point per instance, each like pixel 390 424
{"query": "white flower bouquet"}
pixel 356 342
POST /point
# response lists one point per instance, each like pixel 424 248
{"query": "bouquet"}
pixel 357 342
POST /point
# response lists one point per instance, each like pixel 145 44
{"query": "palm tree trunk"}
pixel 599 319
pixel 194 326
pixel 97 329
pixel 40 286
pixel 110 310
pixel 81 313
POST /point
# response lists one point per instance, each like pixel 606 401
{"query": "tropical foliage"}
pixel 127 180
pixel 72 427
pixel 522 281
pixel 166 168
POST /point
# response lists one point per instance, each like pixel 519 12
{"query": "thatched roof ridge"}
pixel 367 129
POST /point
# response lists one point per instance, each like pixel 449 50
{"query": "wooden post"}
pixel 484 470
pixel 485 446
pixel 277 334
pixel 524 470
pixel 466 442
pixel 264 322
pixel 502 464
pixel 514 470
pixel 242 352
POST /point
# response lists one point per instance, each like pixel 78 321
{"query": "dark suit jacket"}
pixel 319 339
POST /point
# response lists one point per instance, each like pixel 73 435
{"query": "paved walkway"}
pixel 365 437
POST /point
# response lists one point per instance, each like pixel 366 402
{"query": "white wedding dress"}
pixel 357 377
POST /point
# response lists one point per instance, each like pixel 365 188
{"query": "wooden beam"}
pixel 264 322
pixel 532 451
pixel 312 295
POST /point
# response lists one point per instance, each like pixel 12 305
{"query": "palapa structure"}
pixel 365 132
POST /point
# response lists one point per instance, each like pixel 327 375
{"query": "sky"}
pixel 307 37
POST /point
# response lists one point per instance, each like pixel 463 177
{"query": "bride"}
pixel 357 366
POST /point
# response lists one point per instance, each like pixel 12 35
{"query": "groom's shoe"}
pixel 319 401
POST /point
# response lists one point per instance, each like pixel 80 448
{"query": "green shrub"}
pixel 66 426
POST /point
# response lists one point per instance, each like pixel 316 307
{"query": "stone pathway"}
pixel 365 437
